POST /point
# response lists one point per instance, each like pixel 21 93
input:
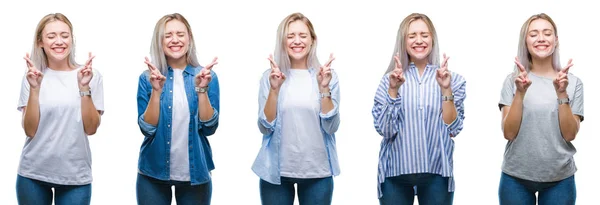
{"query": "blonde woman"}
pixel 178 108
pixel 298 116
pixel 61 102
pixel 542 106
pixel 418 109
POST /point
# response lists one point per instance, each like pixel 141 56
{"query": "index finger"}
pixel 214 62
pixel 566 68
pixel 397 60
pixel 273 64
pixel 519 65
pixel 331 58
pixel 445 62
pixel 150 66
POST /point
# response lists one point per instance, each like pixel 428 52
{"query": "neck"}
pixel 62 65
pixel 299 64
pixel 420 64
pixel 180 63
pixel 542 66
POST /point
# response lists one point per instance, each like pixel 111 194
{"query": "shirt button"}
pixel 171 78
pixel 190 146
pixel 169 107
pixel 168 125
pixel 171 91
pixel 167 161
pixel 168 142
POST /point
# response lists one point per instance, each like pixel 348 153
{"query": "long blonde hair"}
pixel 523 52
pixel 156 49
pixel 38 56
pixel 281 56
pixel 400 47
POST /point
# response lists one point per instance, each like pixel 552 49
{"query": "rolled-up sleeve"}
pixel 330 121
pixel 387 111
pixel 143 97
pixel 264 126
pixel 209 127
pixel 458 88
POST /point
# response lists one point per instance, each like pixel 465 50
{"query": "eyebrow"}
pixel 64 32
pixel 547 29
pixel 415 33
pixel 298 33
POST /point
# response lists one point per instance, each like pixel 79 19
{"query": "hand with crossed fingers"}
pixel 34 76
pixel 522 81
pixel 443 75
pixel 86 74
pixel 276 77
pixel 157 80
pixel 204 77
pixel 562 79
pixel 397 75
pixel 324 76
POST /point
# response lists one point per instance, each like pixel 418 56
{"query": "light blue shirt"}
pixel 267 163
pixel 415 137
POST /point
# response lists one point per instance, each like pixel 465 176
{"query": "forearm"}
pixel 205 109
pixel 512 121
pixel 569 124
pixel 31 117
pixel 89 115
pixel 271 105
pixel 448 107
pixel 153 109
pixel 326 102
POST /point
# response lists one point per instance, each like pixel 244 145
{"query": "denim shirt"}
pixel 155 150
pixel 267 163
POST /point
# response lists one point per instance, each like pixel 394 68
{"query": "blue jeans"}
pixel 35 192
pixel 151 191
pixel 433 189
pixel 516 191
pixel 310 191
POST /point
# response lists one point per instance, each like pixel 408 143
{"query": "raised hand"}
pixel 562 79
pixel 324 76
pixel 522 81
pixel 203 77
pixel 443 76
pixel 397 75
pixel 34 76
pixel 157 80
pixel 85 75
pixel 276 77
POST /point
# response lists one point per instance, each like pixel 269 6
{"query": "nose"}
pixel 297 40
pixel 60 41
pixel 419 40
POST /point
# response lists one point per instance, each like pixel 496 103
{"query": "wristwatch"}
pixel 448 98
pixel 328 94
pixel 201 89
pixel 84 93
pixel 563 101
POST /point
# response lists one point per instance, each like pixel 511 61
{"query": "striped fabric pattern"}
pixel 415 137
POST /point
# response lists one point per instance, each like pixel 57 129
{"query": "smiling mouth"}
pixel 419 48
pixel 175 48
pixel 297 49
pixel 59 49
pixel 541 47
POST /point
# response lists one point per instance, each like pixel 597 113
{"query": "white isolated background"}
pixel 480 38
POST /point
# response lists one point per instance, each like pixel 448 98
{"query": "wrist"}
pixel 562 95
pixel 84 87
pixel 447 91
pixel 324 90
pixel 520 94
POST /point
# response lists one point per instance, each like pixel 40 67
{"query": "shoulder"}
pixel 574 78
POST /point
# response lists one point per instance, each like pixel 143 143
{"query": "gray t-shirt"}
pixel 539 152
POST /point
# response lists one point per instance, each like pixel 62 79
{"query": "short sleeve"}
pixel 24 96
pixel 577 99
pixel 98 91
pixel 508 92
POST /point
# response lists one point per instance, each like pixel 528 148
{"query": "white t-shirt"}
pixel 180 163
pixel 303 153
pixel 59 153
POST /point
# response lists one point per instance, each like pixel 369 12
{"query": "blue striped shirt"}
pixel 415 137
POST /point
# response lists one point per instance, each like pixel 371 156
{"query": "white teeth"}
pixel 419 48
pixel 297 49
pixel 176 48
pixel 58 50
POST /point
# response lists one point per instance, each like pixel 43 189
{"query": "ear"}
pixel 556 42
